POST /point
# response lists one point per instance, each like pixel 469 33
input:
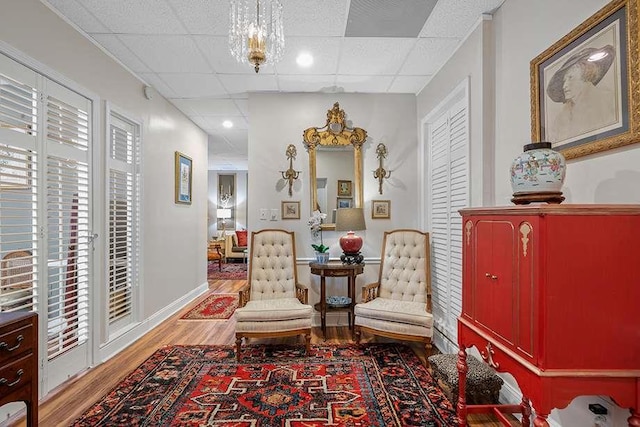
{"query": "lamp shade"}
pixel 350 219
pixel 223 213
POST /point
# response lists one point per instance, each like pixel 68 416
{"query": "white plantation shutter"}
pixel 448 139
pixel 18 187
pixel 68 227
pixel 123 190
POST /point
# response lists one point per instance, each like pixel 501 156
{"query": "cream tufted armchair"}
pixel 273 304
pixel 399 305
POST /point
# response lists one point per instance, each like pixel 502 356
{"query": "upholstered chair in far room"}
pixel 398 305
pixel 214 254
pixel 273 303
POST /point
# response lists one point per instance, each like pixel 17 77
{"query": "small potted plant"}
pixel 315 225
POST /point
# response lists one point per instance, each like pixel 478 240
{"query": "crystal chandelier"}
pixel 256 35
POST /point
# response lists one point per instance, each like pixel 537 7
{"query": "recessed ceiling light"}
pixel 304 59
pixel 228 124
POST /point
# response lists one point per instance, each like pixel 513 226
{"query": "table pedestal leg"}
pixel 323 307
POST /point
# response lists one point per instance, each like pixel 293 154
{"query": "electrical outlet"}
pixel 263 214
pixel 603 420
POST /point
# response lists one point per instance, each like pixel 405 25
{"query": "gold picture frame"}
pixel 381 209
pixel 600 58
pixel 183 178
pixel 345 188
pixel 290 210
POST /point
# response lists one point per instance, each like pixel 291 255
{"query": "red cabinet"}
pixel 551 294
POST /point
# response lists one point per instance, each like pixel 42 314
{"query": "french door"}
pixel 45 214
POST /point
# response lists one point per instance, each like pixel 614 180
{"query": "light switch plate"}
pixel 263 214
pixel 274 214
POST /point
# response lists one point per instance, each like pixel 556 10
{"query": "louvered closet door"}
pixel 449 191
pixel 19 132
pixel 68 237
pixel 123 220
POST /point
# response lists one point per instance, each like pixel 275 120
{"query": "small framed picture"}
pixel 344 202
pixel 290 210
pixel 381 209
pixel 344 188
pixel 184 173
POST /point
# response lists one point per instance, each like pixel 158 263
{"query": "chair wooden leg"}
pixel 238 346
pixel 357 332
pixel 220 264
pixel 428 347
pixel 307 343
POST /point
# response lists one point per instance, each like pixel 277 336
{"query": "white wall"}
pixel 496 57
pixel 278 120
pixel 174 244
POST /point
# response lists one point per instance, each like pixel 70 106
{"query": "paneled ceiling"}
pixel 180 48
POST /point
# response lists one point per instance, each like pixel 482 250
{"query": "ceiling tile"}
pixel 373 56
pixel 243 106
pixel 135 17
pixel 364 84
pixel 408 84
pixel 203 16
pixel 389 18
pixel 113 44
pixel 77 14
pixel 325 52
pixel 159 85
pixel 297 83
pixel 208 106
pixel 235 83
pixel 325 18
pixel 191 85
pixel 428 56
pixel 454 18
pixel 167 54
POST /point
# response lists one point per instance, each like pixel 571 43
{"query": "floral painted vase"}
pixel 538 170
pixel 322 257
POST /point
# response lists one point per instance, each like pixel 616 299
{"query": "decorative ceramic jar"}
pixel 322 257
pixel 538 174
pixel 350 243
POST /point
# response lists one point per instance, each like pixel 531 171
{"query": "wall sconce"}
pixel 290 174
pixel 381 173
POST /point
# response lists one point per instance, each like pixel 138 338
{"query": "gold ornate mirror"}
pixel 331 168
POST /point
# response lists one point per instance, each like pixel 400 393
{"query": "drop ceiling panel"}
pixel 135 17
pixel 297 83
pixel 77 14
pixel 167 54
pixel 326 18
pixel 464 13
pixel 373 56
pixel 243 106
pixel 158 84
pixel 408 84
pixel 203 16
pixel 428 56
pixel 208 106
pixel 365 84
pixel 325 52
pixel 235 83
pixel 113 44
pixel 389 18
pixel 191 85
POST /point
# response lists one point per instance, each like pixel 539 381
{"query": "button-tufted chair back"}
pixel 272 271
pixel 405 274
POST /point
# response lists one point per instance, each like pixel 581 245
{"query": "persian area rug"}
pixel 230 271
pixel 354 385
pixel 215 306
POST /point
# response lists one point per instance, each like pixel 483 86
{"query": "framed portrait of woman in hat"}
pixel 584 96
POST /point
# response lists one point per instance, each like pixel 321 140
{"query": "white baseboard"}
pixel 128 337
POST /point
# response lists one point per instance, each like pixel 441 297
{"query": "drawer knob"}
pixel 5 346
pixel 4 381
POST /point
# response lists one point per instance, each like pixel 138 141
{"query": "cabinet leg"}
pixel 462 381
pixel 541 420
pixel 526 412
pixel 634 419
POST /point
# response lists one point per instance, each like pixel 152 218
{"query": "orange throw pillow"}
pixel 242 237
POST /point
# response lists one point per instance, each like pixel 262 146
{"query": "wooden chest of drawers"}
pixel 19 361
pixel 550 294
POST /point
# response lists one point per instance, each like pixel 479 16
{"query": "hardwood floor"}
pixel 71 399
